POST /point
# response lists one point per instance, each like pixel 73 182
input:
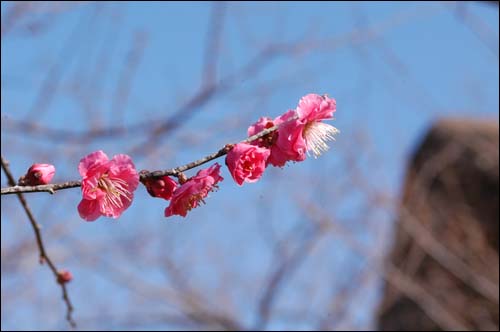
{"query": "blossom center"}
pixel 316 135
pixel 248 165
pixel 114 189
pixel 193 200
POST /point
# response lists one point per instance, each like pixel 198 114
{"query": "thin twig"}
pixel 44 257
pixel 223 151
pixel 52 188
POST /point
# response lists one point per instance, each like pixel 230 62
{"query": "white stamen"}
pixel 317 134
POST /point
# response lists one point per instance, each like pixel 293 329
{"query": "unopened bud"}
pixel 163 187
pixel 38 174
pixel 64 276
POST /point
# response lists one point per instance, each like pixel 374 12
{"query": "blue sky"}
pixel 393 68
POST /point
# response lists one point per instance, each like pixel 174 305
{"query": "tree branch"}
pixel 52 188
pixel 44 257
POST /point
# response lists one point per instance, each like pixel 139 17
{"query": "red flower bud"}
pixel 38 174
pixel 163 187
pixel 64 276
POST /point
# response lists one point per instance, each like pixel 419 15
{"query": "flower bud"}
pixel 38 174
pixel 64 276
pixel 163 187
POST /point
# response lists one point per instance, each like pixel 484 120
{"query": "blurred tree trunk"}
pixel 447 231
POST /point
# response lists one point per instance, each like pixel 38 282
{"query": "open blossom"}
pixel 308 132
pixel 38 174
pixel 107 185
pixel 163 187
pixel 290 141
pixel 193 191
pixel 247 162
pixel 312 109
pixel 300 131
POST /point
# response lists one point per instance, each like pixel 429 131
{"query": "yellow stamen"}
pixel 114 189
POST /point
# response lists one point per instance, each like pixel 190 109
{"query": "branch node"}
pixel 182 178
pixel 228 147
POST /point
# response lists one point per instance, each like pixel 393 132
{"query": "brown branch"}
pixel 44 257
pixel 223 151
pixel 52 188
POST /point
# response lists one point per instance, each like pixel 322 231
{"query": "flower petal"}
pixel 92 160
pixel 89 209
pixel 194 190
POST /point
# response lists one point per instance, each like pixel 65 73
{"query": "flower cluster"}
pixel 300 132
pixel 191 192
pixel 108 185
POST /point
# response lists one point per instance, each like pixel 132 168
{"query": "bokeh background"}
pixel 168 83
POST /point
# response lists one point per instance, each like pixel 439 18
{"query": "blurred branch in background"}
pixel 211 88
pixel 448 227
pixel 127 74
pixel 477 25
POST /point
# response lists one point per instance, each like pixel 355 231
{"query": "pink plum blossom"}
pixel 163 187
pixel 307 132
pixel 290 142
pixel 300 131
pixel 38 174
pixel 193 191
pixel 247 162
pixel 107 185
pixel 313 107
